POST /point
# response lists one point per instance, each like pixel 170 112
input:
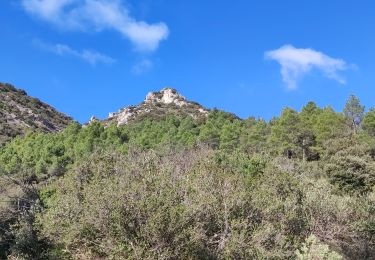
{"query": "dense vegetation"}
pixel 300 186
pixel 20 113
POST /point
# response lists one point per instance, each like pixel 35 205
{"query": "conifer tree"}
pixel 354 112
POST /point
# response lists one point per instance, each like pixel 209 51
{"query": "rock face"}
pixel 166 96
pixel 158 105
pixel 20 112
pixel 93 119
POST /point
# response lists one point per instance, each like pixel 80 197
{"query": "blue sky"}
pixel 252 58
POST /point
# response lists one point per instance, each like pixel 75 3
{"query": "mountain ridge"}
pixel 20 112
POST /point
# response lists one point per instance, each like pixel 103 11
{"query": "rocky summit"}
pixel 158 105
pixel 20 113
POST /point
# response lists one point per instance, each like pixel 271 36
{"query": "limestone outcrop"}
pixel 156 105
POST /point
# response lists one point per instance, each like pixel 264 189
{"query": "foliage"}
pixel 169 186
pixel 368 123
pixel 314 249
pixel 354 112
pixel 172 205
pixel 352 170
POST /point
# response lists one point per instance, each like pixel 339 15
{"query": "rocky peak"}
pixel 157 104
pixel 166 96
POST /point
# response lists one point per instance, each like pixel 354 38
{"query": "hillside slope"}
pixel 300 186
pixel 20 112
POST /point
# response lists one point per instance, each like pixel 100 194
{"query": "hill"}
pixel 20 113
pixel 157 106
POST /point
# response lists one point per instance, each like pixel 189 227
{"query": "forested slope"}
pixel 300 186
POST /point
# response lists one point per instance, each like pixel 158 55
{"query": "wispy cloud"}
pixel 295 63
pixel 99 15
pixel 142 67
pixel 90 56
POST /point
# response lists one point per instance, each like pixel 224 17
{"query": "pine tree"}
pixel 354 112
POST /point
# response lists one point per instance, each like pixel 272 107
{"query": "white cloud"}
pixel 295 63
pixel 142 67
pixel 98 15
pixel 92 57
